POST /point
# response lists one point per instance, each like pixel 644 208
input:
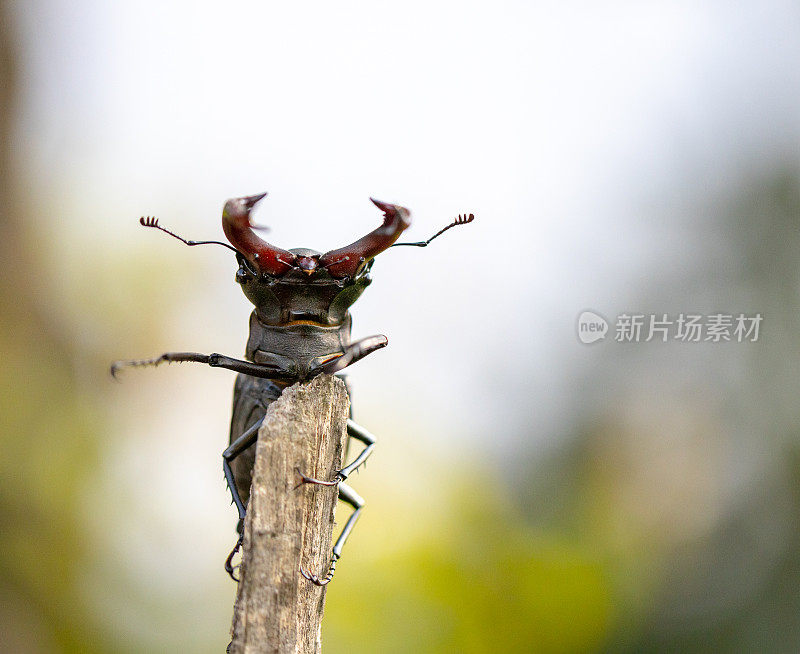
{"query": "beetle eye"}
pixel 241 276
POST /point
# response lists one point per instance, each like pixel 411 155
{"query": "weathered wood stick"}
pixel 277 610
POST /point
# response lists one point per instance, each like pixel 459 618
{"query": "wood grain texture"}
pixel 277 610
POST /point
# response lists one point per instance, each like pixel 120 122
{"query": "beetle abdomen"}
pixel 251 397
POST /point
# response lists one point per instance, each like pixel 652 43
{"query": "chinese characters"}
pixel 689 328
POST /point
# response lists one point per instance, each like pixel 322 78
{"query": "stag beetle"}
pixel 300 328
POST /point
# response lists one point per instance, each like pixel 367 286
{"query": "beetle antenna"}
pixel 152 221
pixel 461 220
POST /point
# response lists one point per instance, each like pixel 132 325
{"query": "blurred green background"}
pixel 529 493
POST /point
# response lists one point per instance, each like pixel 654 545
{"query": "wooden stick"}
pixel 277 610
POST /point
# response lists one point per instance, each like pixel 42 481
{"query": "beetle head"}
pixel 341 264
pixel 302 284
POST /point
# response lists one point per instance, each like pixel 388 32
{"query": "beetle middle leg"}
pixel 354 430
pixel 346 494
pixel 244 441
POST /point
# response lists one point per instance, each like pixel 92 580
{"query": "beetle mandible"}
pixel 300 328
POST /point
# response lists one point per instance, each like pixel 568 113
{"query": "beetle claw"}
pixel 305 479
pixel 314 579
pixel 229 567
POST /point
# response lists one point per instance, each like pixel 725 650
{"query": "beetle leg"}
pixel 354 430
pixel 235 449
pixel 352 353
pixel 215 361
pixel 305 479
pixel 346 494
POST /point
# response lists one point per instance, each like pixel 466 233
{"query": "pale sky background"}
pixel 558 124
pixel 565 127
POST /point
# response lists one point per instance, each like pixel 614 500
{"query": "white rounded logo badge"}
pixel 592 327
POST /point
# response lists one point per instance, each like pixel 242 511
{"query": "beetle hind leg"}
pixel 346 494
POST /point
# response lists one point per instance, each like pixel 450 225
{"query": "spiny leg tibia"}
pixel 346 494
pixel 354 430
pixel 214 360
pixel 238 446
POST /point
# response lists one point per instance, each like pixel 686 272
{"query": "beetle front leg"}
pixel 346 494
pixel 354 430
pixel 214 360
pixel 352 353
